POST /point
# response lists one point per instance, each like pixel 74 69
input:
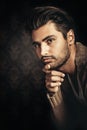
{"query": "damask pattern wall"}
pixel 18 63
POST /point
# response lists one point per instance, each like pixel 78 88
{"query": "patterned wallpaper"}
pixel 17 58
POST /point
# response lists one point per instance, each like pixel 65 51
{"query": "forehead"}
pixel 44 31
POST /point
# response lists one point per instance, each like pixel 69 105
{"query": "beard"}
pixel 58 62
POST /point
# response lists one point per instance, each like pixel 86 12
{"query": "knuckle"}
pixel 55 89
pixel 51 84
pixel 59 83
pixel 62 79
pixel 52 78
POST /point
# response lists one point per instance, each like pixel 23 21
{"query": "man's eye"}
pixel 36 45
pixel 49 41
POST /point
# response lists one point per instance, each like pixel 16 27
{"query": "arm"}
pixel 58 106
pixel 54 80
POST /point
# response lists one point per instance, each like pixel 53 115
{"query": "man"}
pixel 65 64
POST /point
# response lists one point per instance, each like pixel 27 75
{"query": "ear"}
pixel 70 37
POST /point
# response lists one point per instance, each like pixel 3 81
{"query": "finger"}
pixel 57 73
pixel 46 71
pixel 53 90
pixel 46 68
pixel 53 84
pixel 54 78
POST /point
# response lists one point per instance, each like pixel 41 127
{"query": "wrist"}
pixel 55 99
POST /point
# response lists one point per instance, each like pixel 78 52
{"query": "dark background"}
pixel 76 8
pixel 17 60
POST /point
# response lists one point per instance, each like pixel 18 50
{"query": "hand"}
pixel 53 80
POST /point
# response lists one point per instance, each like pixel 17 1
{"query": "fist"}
pixel 53 79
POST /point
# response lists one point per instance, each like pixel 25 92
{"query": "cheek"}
pixel 58 50
pixel 55 49
pixel 38 53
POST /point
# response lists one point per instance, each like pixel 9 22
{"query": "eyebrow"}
pixel 47 37
pixel 36 42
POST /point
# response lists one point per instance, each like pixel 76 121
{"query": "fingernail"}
pixel 62 79
pixel 47 67
pixel 59 83
pixel 63 75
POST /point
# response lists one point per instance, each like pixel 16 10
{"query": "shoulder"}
pixel 81 55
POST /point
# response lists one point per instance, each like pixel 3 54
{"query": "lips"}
pixel 47 59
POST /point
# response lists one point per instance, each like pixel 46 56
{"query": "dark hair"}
pixel 41 15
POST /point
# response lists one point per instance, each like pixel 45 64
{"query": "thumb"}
pixel 46 68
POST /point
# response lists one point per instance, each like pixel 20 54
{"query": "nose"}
pixel 44 49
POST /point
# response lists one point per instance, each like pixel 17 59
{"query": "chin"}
pixel 53 66
pixel 57 67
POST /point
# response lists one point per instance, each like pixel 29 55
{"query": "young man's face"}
pixel 50 45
